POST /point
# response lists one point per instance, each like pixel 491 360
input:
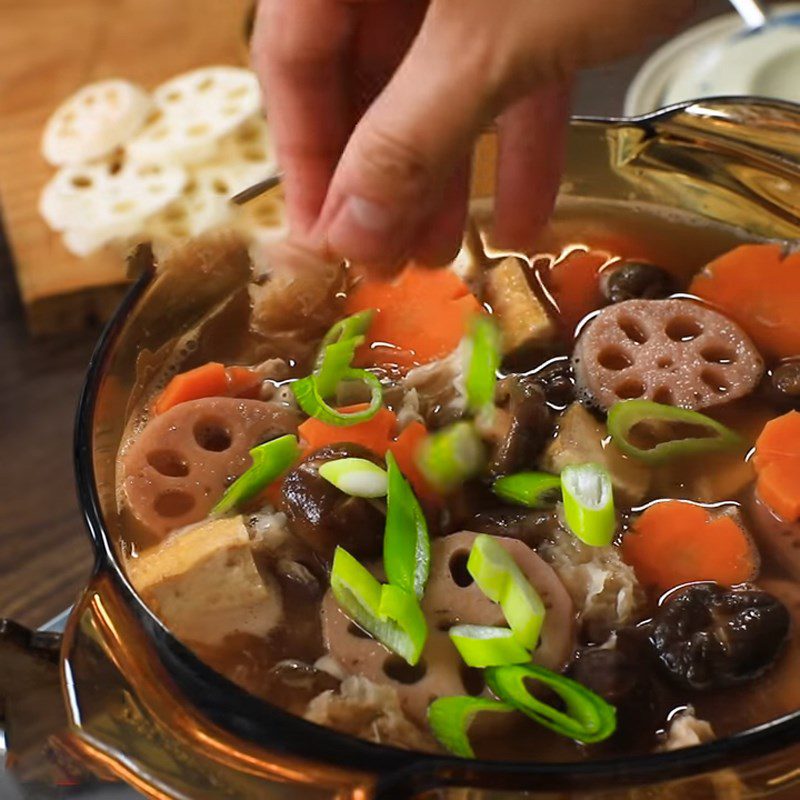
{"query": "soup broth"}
pixel 677 609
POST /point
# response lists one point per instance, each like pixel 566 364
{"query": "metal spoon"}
pixel 751 12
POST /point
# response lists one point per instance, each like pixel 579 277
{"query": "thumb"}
pixel 395 169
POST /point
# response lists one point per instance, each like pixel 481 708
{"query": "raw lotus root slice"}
pixel 670 351
pixel 107 199
pixel 95 121
pixel 183 460
pixel 450 599
pixel 196 110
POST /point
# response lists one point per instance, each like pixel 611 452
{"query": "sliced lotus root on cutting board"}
pixel 262 220
pixel 179 466
pixel 95 121
pixel 671 351
pixel 451 597
pixel 194 111
pixel 103 201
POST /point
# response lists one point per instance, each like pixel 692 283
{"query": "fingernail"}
pixel 366 231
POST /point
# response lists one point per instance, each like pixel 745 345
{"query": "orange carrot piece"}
pixel 373 434
pixel 209 380
pixel 758 288
pixel 777 463
pixel 243 382
pixel 421 316
pixel 574 283
pixel 404 449
pixel 676 542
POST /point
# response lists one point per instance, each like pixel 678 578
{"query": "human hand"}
pixel 375 105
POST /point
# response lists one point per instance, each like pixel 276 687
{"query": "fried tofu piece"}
pixel 204 584
pixel 580 439
pixel 523 318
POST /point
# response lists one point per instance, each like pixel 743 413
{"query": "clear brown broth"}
pixel 681 245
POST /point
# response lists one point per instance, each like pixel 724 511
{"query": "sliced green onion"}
pixel 693 432
pixel 589 503
pixel 270 460
pixel 406 546
pixel 488 646
pixel 451 456
pixel 392 616
pixel 530 489
pixel 308 396
pixel 484 356
pixel 357 477
pixel 334 362
pixel 450 718
pixel 501 580
pixel 588 717
pixel 348 328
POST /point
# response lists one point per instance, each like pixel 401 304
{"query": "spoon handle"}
pixel 751 12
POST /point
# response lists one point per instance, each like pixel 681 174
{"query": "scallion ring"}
pixel 311 401
pixel 529 489
pixel 499 577
pixel 348 328
pixel 391 615
pixel 451 456
pixel 270 460
pixel 487 645
pixel 483 353
pixel 589 503
pixel 450 718
pixel 406 545
pixel 587 716
pixel 357 477
pixel 693 432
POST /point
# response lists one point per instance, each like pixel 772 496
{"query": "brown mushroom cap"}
pixel 672 351
pixel 184 459
pixel 450 599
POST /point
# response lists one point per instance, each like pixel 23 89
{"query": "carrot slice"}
pixel 574 283
pixel 209 380
pixel 374 434
pixel 758 288
pixel 777 463
pixel 421 316
pixel 677 542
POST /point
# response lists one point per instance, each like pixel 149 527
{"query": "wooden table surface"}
pixel 44 553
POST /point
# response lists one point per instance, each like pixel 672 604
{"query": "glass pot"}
pixel 137 705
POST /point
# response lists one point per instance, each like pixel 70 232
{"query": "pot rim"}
pixel 396 769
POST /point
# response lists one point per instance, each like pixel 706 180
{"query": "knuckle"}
pixel 387 161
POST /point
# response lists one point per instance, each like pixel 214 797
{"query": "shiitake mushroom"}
pixel 323 516
pixel 636 280
pixel 710 637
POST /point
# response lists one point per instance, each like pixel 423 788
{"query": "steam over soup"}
pixel 534 508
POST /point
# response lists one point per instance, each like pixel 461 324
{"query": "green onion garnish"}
pixel 530 489
pixel 688 432
pixel 332 367
pixel 357 477
pixel 450 718
pixel 501 580
pixel 406 546
pixel 588 717
pixel 451 456
pixel 308 396
pixel 488 646
pixel 270 460
pixel 484 356
pixel 589 503
pixel 391 615
pixel 348 328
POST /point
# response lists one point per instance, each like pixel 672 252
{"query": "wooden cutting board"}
pixel 49 49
